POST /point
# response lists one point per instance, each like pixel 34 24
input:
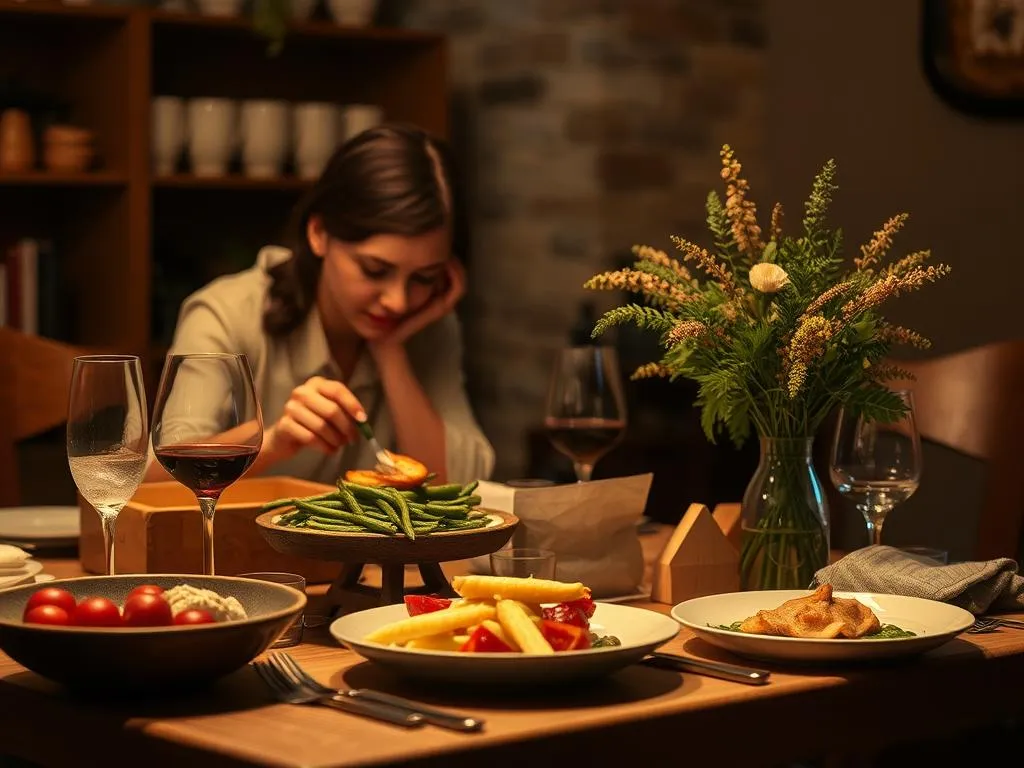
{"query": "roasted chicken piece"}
pixel 818 615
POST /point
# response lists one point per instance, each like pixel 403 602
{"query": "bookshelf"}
pixel 129 245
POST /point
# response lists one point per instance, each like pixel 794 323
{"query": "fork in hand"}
pixel 288 668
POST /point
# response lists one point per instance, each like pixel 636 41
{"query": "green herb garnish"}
pixel 885 632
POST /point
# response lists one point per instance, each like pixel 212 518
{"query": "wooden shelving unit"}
pixel 132 243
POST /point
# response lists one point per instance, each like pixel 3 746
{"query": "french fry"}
pixel 517 624
pixel 523 590
pixel 499 632
pixel 435 623
pixel 446 641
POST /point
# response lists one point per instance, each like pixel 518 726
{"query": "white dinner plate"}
pixel 13 577
pixel 639 630
pixel 39 524
pixel 933 622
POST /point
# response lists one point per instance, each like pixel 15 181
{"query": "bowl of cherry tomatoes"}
pixel 145 632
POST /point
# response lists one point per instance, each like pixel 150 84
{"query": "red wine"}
pixel 584 440
pixel 206 468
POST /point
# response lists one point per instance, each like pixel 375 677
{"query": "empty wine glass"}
pixel 207 428
pixel 107 436
pixel 586 409
pixel 877 464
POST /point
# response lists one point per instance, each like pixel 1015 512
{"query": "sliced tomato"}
pixel 417 604
pixel 566 613
pixel 409 474
pixel 484 641
pixel 564 637
pixel 584 604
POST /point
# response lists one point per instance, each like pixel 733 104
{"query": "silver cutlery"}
pixel 291 692
pixel 732 672
pixel 385 463
pixel 290 668
pixel 987 624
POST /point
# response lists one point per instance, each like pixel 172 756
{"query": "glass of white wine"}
pixel 877 464
pixel 107 435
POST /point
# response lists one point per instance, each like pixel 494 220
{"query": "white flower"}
pixel 768 278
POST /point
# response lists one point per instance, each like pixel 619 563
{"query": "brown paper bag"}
pixel 591 527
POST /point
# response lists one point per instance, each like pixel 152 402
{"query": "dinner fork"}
pixel 985 624
pixel 291 669
pixel 290 691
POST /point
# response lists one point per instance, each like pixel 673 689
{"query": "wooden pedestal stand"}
pixel 354 551
pixel 698 560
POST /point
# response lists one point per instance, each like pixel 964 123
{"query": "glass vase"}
pixel 784 517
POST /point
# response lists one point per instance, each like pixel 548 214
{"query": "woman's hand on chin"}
pixel 438 307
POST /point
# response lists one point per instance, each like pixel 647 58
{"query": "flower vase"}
pixel 784 518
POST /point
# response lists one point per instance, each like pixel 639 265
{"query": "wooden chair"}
pixel 973 403
pixel 35 375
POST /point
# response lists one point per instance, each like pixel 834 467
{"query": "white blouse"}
pixel 227 316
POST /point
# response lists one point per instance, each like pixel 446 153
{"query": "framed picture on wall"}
pixel 974 54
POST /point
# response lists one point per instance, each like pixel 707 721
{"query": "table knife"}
pixel 731 672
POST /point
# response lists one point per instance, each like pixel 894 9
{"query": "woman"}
pixel 356 322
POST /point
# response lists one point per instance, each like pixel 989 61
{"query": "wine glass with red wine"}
pixel 586 408
pixel 207 428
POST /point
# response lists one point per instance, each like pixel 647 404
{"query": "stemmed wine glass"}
pixel 877 464
pixel 107 435
pixel 207 428
pixel 586 409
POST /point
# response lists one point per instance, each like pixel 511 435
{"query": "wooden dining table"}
pixel 638 714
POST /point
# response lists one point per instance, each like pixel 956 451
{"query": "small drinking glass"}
pixel 586 408
pixel 523 563
pixel 877 464
pixel 207 428
pixel 107 436
pixel 292 635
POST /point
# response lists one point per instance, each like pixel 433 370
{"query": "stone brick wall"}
pixel 587 126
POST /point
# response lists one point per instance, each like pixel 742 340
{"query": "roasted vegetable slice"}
pixel 409 474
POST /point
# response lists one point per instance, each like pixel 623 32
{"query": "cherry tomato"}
pixel 194 616
pixel 96 612
pixel 146 589
pixel 47 614
pixel 147 610
pixel 51 596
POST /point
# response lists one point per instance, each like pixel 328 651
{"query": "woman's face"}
pixel 373 285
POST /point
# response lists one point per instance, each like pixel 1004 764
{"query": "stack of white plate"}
pixel 26 529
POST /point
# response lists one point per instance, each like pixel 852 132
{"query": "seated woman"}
pixel 356 321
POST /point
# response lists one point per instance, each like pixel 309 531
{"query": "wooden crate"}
pixel 160 531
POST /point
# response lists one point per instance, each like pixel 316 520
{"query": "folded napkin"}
pixel 12 558
pixel 975 586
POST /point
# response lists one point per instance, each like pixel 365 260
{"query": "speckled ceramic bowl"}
pixel 146 659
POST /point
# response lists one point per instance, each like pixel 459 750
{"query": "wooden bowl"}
pixel 99 660
pixel 384 550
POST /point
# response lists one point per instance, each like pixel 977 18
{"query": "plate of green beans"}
pixel 428 520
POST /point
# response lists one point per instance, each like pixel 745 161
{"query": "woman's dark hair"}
pixel 391 179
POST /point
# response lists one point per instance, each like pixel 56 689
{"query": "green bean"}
pixel 426 517
pixel 291 502
pixel 468 488
pixel 437 492
pixel 446 510
pixel 390 512
pixel 369 523
pixel 404 514
pixel 317 525
pixel 466 525
pixel 424 527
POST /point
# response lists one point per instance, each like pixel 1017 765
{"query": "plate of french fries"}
pixel 503 630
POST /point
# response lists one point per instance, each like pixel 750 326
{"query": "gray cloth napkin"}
pixel 974 586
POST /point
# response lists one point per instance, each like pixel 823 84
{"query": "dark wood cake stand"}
pixel 392 553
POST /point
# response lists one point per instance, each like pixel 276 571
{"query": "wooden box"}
pixel 160 531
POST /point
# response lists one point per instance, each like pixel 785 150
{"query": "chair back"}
pixel 973 402
pixel 35 375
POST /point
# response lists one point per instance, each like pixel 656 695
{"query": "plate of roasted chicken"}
pixel 821 625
